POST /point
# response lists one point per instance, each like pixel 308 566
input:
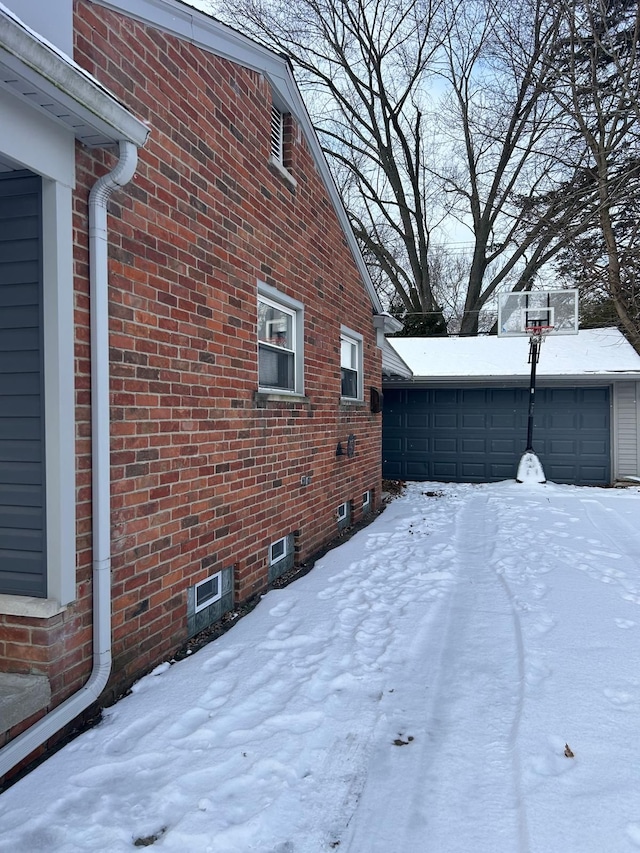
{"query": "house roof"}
pixel 592 353
pixel 34 70
pixel 392 364
pixel 209 34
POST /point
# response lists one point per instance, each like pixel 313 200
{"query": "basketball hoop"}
pixel 536 314
pixel 539 332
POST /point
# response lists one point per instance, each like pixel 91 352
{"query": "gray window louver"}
pixel 277 134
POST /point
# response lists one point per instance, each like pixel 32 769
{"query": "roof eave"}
pixel 48 80
pixel 523 379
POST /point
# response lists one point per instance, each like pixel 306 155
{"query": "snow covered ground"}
pixel 462 676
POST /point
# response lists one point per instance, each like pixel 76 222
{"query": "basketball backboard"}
pixel 555 310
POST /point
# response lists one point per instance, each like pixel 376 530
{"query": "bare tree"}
pixel 506 144
pixel 598 88
pixel 433 110
pixel 362 67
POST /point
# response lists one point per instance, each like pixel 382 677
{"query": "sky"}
pixel 461 676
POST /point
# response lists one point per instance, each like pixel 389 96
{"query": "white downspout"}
pixel 22 746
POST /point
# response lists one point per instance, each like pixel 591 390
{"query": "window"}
pixel 350 365
pixel 280 341
pixel 282 556
pixel 278 551
pixel 343 515
pixel 366 500
pixel 277 353
pixel 208 591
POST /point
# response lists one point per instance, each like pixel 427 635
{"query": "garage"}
pixel 477 435
pixel 462 415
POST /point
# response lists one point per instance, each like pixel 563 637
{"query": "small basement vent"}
pixel 208 600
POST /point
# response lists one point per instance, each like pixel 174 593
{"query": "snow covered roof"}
pixel 592 352
pixel 37 72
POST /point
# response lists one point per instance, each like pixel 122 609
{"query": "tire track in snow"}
pixel 618 531
pixel 481 684
pixel 523 831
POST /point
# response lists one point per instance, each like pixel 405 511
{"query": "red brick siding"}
pixel 203 474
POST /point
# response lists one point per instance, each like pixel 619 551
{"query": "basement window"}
pixel 282 556
pixel 279 551
pixel 208 591
pixel 366 500
pixel 343 515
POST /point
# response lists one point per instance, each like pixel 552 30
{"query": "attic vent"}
pixel 277 134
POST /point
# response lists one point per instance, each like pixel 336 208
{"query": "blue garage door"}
pixel 477 435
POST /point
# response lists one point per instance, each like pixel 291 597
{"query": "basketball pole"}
pixel 530 468
pixel 534 354
pixel 536 314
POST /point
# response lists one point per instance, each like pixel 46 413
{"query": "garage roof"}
pixel 591 353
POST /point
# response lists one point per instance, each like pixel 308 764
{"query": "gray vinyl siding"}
pixel 627 428
pixel 22 521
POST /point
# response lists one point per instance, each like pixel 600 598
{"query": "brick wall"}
pixel 205 474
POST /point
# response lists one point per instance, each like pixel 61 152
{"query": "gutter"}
pixel 25 744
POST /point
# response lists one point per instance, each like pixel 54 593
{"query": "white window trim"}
pixel 342 512
pixel 59 400
pixel 59 390
pixel 285 550
pixel 357 339
pixel 366 499
pixel 291 306
pixel 213 598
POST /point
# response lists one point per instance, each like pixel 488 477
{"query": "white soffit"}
pixel 40 75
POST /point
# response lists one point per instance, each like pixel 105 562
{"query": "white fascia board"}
pixel 302 116
pixel 50 81
pixel 213 36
